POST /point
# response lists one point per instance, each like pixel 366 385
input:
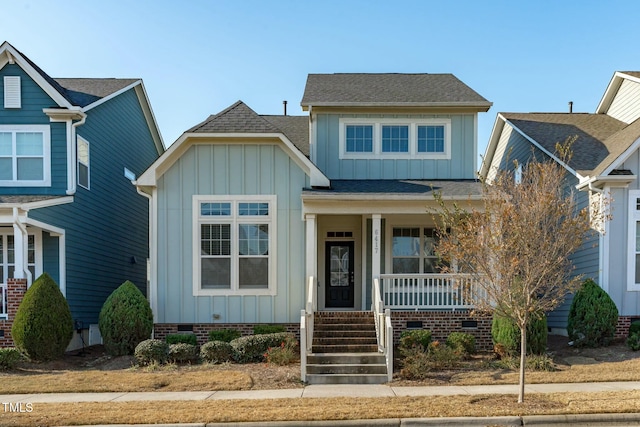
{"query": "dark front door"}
pixel 339 274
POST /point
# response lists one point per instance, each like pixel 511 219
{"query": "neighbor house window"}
pixel 414 250
pixel 83 163
pixel 24 155
pixel 633 248
pixel 234 240
pixel 391 138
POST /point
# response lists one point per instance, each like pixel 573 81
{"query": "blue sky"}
pixel 197 57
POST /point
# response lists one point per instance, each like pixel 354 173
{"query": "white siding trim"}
pixel 12 92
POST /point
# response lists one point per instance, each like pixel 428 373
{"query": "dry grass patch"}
pixel 307 409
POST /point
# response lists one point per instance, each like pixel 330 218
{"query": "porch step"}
pixel 346 368
pixel 345 350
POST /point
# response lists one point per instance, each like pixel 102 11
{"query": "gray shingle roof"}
pixel 239 118
pixel 632 73
pixel 599 137
pixel 85 91
pixel 25 199
pixel 421 188
pixel 361 89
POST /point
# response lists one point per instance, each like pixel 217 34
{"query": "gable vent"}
pixel 12 95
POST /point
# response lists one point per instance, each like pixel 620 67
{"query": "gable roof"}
pixel 240 118
pixel 85 91
pixel 390 89
pixel 593 132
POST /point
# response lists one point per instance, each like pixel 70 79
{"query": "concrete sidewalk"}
pixel 316 391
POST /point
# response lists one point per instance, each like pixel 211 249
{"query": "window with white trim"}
pixel 7 255
pixel 633 248
pixel 234 239
pixel 395 138
pixel 25 155
pixel 83 162
pixel 413 250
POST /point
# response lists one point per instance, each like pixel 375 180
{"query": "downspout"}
pixel 73 149
pixel 24 246
pixel 152 290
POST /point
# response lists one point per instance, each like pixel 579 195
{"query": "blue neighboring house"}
pixel 69 151
pixel 257 217
pixel 605 161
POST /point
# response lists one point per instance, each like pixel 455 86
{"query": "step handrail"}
pixel 384 327
pixel 306 327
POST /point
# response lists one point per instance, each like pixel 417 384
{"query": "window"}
pixel 633 256
pixel 12 92
pixel 359 138
pixel 83 163
pixel 395 138
pixel 234 240
pixel 413 250
pixel 24 155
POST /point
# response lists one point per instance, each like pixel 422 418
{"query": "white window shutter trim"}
pixel 12 95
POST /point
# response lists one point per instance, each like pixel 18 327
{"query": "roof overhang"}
pixel 398 107
pixel 602 181
pixel 612 89
pixel 64 114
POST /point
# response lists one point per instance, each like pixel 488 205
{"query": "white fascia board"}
pixel 111 96
pixel 38 204
pixel 44 226
pixel 383 206
pixel 544 150
pixel 601 181
pixel 489 153
pixel 141 91
pixel 611 90
pixel 64 114
pixel 36 76
pixel 149 177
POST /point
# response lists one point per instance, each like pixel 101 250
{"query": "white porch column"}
pixel 19 251
pixel 311 251
pixel 376 244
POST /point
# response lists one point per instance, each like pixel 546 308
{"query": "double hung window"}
pixel 395 138
pixel 83 163
pixel 234 237
pixel 414 250
pixel 24 155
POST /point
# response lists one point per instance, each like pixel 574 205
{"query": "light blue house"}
pixel 606 161
pixel 69 150
pixel 255 218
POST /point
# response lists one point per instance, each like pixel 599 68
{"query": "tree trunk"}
pixel 523 360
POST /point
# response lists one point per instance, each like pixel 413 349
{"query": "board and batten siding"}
pixel 229 169
pixel 626 104
pixel 34 99
pixel 107 226
pixel 461 165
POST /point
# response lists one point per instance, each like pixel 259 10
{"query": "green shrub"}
pixel 43 327
pixel 125 320
pixel 462 343
pixel 182 339
pixel 285 354
pixel 268 329
pixel 417 362
pixel 216 352
pixel 506 336
pixel 151 351
pixel 252 348
pixel 442 356
pixel 226 335
pixel 593 317
pixel 634 327
pixel 420 338
pixel 534 362
pixel 633 342
pixel 9 357
pixel 183 353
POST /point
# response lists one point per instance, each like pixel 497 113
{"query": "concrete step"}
pixel 365 348
pixel 344 334
pixel 346 358
pixel 362 369
pixel 335 340
pixel 344 320
pixel 346 379
pixel 339 327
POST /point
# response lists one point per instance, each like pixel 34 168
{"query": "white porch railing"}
pixel 428 291
pixel 4 306
pixel 384 329
pixel 306 326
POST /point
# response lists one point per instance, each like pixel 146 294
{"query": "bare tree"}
pixel 518 247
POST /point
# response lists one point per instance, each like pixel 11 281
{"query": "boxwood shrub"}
pixel 183 353
pixel 43 327
pixel 251 348
pixel 151 351
pixel 182 339
pixel 9 357
pixel 226 335
pixel 268 329
pixel 216 352
pixel 420 338
pixel 462 343
pixel 506 336
pixel 593 316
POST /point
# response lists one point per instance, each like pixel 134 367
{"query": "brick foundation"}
pixel 16 289
pixel 201 330
pixel 622 328
pixel 442 323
